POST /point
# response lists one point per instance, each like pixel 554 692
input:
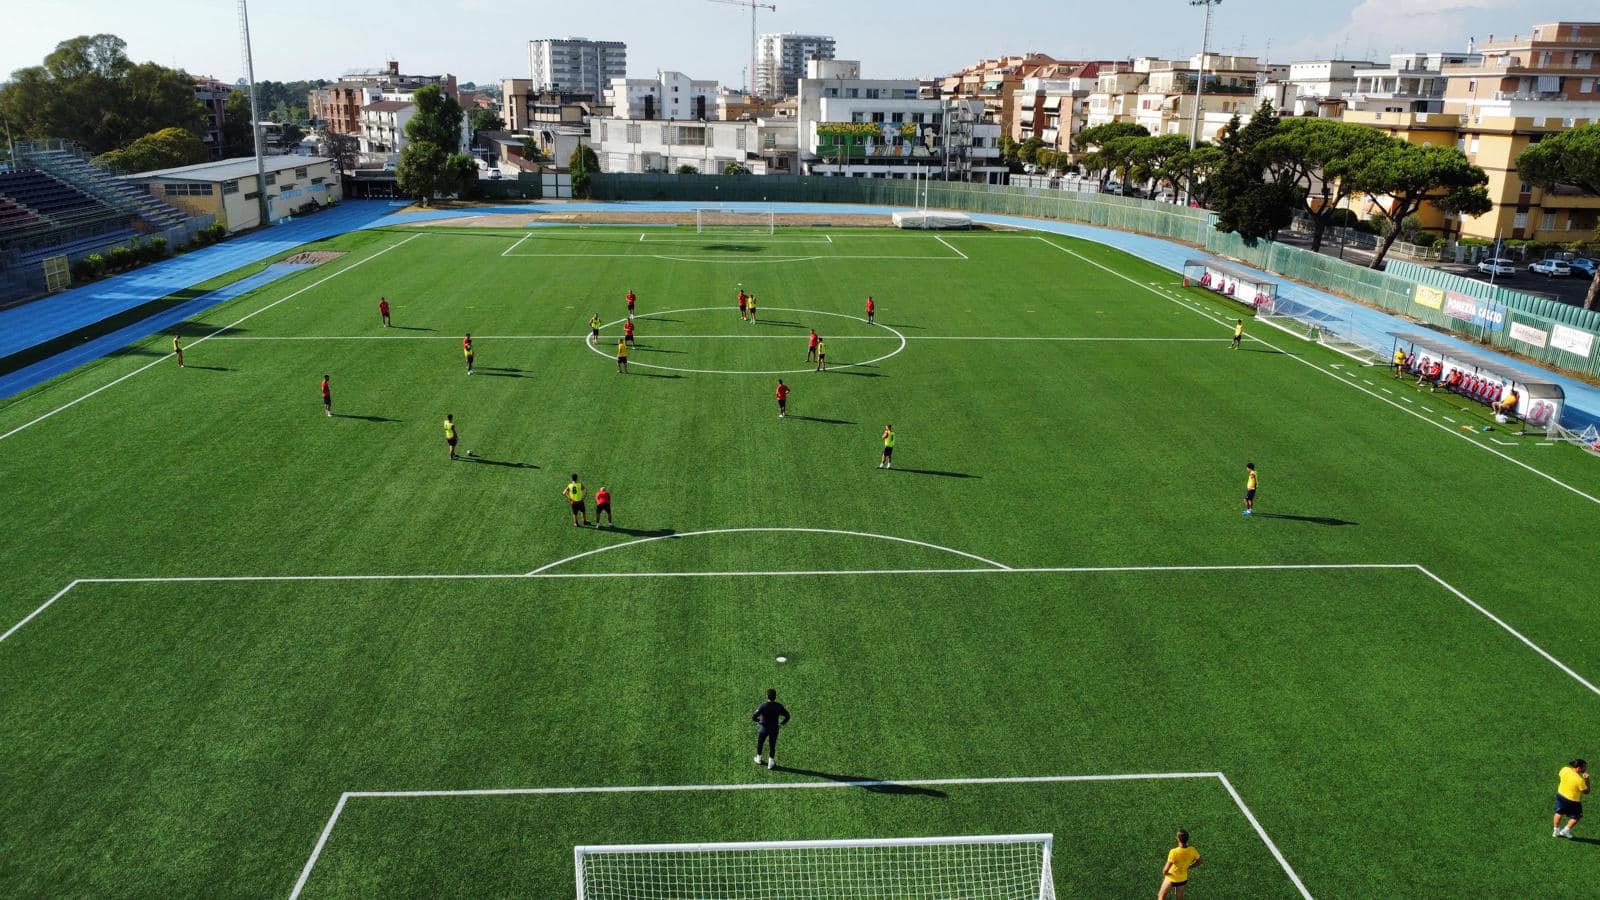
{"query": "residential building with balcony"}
pixel 337 107
pixel 1226 86
pixel 383 129
pixel 669 95
pixel 1412 82
pixel 213 97
pixel 1313 87
pixel 761 146
pixel 781 61
pixel 576 65
pixel 1053 105
pixel 1115 97
pixel 995 81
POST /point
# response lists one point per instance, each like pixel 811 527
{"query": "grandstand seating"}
pixel 16 217
pixel 57 201
pixel 75 169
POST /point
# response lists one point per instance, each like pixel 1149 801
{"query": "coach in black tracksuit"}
pixel 769 717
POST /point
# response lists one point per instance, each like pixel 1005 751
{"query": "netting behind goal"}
pixel 740 221
pixel 986 867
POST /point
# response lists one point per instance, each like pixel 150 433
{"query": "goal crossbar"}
pixel 712 219
pixel 981 867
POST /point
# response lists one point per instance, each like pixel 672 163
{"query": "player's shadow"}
pixel 638 532
pixel 1314 520
pixel 867 784
pixel 658 318
pixel 1273 350
pixel 506 463
pixel 363 418
pixel 412 328
pixel 505 373
pixel 781 323
pixel 940 472
pixel 856 371
pixel 1585 840
pixel 210 368
pixel 732 248
pixel 654 374
pixel 649 349
pixel 822 420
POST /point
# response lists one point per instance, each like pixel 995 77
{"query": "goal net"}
pixel 984 867
pixel 733 221
pixel 1588 438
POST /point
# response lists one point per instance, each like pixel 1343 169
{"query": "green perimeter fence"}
pixel 1536 327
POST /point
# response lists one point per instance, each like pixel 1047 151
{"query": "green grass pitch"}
pixel 1387 665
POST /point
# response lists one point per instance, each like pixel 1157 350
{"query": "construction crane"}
pixel 750 84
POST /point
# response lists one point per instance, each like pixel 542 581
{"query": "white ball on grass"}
pixel 783 659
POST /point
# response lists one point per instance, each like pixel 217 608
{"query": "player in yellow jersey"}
pixel 1569 796
pixel 1250 489
pixel 1238 334
pixel 594 326
pixel 1399 363
pixel 1175 874
pixel 622 356
pixel 450 434
pixel 885 462
pixel 177 350
pixel 574 494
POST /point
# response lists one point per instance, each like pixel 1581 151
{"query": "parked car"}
pixel 1551 268
pixel 1582 265
pixel 1113 187
pixel 1497 266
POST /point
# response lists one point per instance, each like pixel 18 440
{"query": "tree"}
pixel 1318 156
pixel 1246 200
pixel 1098 156
pixel 1008 149
pixel 1570 157
pixel 238 138
pixel 164 149
pixel 480 119
pixel 1411 175
pixel 345 150
pixel 687 169
pixel 582 166
pixel 733 168
pixel 437 119
pixel 421 172
pixel 461 174
pixel 1193 172
pixel 1029 150
pixel 88 91
pixel 1150 158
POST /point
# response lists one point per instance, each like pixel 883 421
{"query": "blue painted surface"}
pixel 91 350
pixel 115 295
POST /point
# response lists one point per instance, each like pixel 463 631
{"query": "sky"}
pixel 486 40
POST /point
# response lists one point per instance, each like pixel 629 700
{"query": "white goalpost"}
pixel 980 867
pixel 713 220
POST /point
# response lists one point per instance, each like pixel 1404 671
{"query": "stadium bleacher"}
pixel 57 201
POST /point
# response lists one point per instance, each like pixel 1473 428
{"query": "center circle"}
pixel 589 342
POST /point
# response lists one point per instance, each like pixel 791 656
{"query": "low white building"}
pixel 228 188
pixel 761 146
pixel 1314 87
pixel 383 129
pixel 669 95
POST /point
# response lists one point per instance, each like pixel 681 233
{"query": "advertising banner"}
pixel 1459 306
pixel 1489 315
pixel 1571 340
pixel 1529 335
pixel 1431 297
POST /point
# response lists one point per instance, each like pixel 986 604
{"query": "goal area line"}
pixel 863 784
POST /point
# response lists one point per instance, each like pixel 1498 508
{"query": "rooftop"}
pixel 388 105
pixel 229 169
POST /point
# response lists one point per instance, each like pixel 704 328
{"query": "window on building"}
pixel 1472 86
pixel 318 180
pixel 833 92
pixel 1472 146
pixel 872 93
pixel 230 187
pixel 691 135
pixel 272 178
pixel 1520 220
pixel 908 94
pixel 300 172
pixel 877 117
pixel 897 117
pixel 852 92
pixel 633 134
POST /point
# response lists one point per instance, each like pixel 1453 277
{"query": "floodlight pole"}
pixel 1199 89
pixel 255 114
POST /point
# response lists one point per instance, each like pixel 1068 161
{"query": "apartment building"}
pixel 1226 87
pixel 1412 82
pixel 523 108
pixel 761 146
pixel 781 61
pixel 1053 105
pixel 213 97
pixel 994 82
pixel 1313 87
pixel 382 132
pixel 337 107
pixel 669 95
pixel 576 64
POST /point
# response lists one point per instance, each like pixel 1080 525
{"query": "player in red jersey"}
pixel 744 303
pixel 783 399
pixel 630 302
pixel 602 504
pixel 627 331
pixel 327 396
pixel 872 309
pixel 383 310
pixel 466 349
pixel 811 346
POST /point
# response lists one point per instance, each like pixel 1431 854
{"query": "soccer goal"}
pixel 983 867
pixel 721 220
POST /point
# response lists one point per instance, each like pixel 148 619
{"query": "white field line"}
pixel 835 531
pixel 721 337
pixel 327 830
pixel 507 251
pixel 1338 377
pixel 42 607
pixel 1265 838
pixel 718 259
pixel 951 246
pixel 235 323
pixel 322 841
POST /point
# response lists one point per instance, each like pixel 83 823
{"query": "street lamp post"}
pixel 1199 87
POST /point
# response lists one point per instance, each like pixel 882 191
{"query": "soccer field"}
pixel 247 649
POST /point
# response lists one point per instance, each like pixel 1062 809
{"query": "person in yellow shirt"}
pixel 574 494
pixel 177 350
pixel 594 327
pixel 622 356
pixel 450 434
pixel 822 355
pixel 1175 874
pixel 885 462
pixel 1250 489
pixel 1238 333
pixel 752 309
pixel 1399 363
pixel 1574 783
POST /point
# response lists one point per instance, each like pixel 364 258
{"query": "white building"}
pixel 669 95
pixel 883 128
pixel 782 61
pixel 1314 87
pixel 1412 82
pixel 228 188
pixel 382 132
pixel 762 146
pixel 576 64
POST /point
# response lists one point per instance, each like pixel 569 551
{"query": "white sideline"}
pixel 837 531
pixel 951 246
pixel 344 798
pixel 235 323
pixel 1334 375
pixel 507 251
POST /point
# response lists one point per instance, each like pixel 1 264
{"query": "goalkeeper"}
pixel 769 717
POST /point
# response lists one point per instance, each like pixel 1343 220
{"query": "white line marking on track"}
pixel 864 784
pixel 1306 362
pixel 235 323
pixel 835 531
pixel 951 246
